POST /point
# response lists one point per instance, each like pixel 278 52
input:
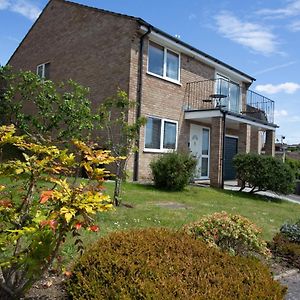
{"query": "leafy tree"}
pixel 42 109
pixel 46 204
pixel 121 134
pixel 263 173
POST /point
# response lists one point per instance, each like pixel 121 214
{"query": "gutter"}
pixel 139 101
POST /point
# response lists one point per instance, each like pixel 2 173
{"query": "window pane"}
pixel 40 71
pixel 47 70
pixel 172 65
pixel 234 97
pixel 170 135
pixel 204 166
pixel 156 59
pixel 153 133
pixel 205 141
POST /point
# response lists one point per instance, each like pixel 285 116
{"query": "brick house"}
pixel 192 101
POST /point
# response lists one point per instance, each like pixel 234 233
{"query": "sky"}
pixel 260 38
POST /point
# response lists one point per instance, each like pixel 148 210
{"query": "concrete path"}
pixel 293 283
pixel 232 185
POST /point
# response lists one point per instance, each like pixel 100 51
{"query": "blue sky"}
pixel 261 38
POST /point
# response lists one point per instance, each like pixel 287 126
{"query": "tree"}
pixel 121 134
pixel 43 110
pixel 35 220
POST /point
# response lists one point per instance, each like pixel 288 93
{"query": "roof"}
pixel 153 28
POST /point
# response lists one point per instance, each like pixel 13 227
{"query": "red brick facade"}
pixel 100 50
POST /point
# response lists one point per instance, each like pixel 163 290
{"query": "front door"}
pixel 199 146
pixel 231 147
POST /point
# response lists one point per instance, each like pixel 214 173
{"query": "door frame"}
pixel 201 127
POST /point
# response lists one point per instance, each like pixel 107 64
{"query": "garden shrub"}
pixel 294 165
pixel 291 231
pixel 232 233
pixel 161 264
pixel 263 173
pixel 173 171
pixel 283 248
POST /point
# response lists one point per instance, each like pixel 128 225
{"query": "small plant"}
pixel 291 231
pixel 232 233
pixel 45 204
pixel 264 173
pixel 173 171
pixel 162 264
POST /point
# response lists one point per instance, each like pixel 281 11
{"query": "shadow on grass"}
pixel 247 195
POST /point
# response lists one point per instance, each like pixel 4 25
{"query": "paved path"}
pixel 293 283
pixel 232 185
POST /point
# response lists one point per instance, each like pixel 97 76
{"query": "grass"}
pixel 153 208
pixel 149 207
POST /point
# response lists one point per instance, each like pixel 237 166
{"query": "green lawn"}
pixel 152 208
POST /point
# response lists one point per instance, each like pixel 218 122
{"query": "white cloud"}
pixel 22 7
pixel 295 26
pixel 271 69
pixel 251 35
pixel 291 9
pixel 4 4
pixel 287 87
pixel 280 113
pixel 192 17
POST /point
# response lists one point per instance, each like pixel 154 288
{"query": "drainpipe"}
pixel 139 101
pixel 224 112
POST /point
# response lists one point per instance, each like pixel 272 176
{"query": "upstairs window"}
pixel 161 134
pixel 43 70
pixel 163 62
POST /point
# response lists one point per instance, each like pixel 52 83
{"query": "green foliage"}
pixel 282 247
pixel 35 221
pixel 264 173
pixel 294 165
pixel 291 231
pixel 43 110
pixel 162 264
pixel 232 233
pixel 121 134
pixel 173 171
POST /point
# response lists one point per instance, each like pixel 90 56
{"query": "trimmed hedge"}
pixel 161 264
pixel 263 173
pixel 173 171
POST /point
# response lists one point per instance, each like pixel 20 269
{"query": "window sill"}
pixel 146 150
pixel 165 78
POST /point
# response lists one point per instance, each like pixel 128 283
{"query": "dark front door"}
pixel 231 146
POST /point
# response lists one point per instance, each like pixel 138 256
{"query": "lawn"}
pixel 147 207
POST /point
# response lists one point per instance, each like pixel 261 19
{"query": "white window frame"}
pixel 43 69
pixel 162 128
pixel 165 77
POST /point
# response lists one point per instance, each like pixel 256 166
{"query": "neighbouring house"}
pixel 192 101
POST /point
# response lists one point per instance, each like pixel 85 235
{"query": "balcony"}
pixel 226 95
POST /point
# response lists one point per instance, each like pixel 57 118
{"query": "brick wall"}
pixel 165 99
pixel 84 44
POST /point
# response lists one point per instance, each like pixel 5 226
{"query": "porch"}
pixel 224 121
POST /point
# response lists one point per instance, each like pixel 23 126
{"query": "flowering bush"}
pixel 45 203
pixel 232 233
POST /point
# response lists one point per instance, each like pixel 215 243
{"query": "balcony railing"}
pixel 221 93
pixel 259 107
